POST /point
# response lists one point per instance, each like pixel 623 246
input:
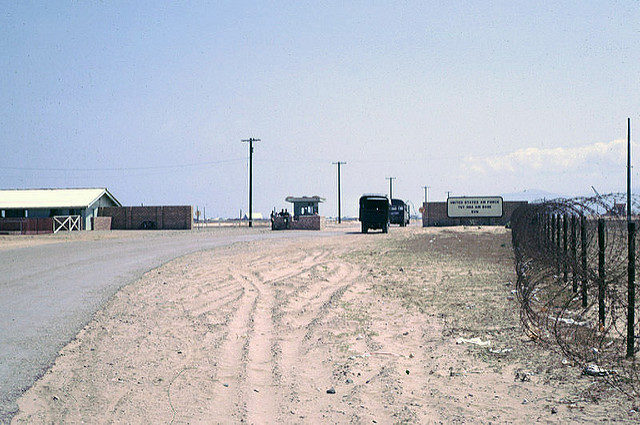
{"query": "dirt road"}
pixel 51 285
pixel 417 326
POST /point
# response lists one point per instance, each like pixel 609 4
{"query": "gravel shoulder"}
pixel 415 326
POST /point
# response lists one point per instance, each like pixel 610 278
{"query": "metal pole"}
pixel 558 242
pixel 251 140
pixel 339 211
pixel 547 221
pixel 631 290
pixel 583 253
pixel 628 169
pixel 601 275
pixel 564 249
pixel 631 256
pixel 574 255
pixel 250 182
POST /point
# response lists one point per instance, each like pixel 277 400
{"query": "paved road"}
pixel 49 292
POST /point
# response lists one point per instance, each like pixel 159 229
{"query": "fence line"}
pixel 575 261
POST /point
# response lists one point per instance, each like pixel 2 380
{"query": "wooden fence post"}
pixel 601 274
pixel 631 289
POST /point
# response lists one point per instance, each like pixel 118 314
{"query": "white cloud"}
pixel 602 156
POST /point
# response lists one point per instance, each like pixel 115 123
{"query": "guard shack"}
pixel 305 214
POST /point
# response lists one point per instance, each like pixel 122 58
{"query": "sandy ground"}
pixel 348 329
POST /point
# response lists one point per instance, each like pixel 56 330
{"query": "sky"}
pixel 152 99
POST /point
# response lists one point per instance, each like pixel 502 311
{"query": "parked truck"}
pixel 399 213
pixel 374 212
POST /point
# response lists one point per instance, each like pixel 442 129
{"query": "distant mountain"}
pixel 530 195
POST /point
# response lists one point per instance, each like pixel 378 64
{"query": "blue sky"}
pixel 151 99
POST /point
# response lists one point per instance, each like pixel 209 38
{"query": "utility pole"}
pixel 250 141
pixel 426 202
pixel 426 193
pixel 339 212
pixel 391 179
pixel 448 192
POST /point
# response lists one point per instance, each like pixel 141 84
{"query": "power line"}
pixel 230 160
pixel 154 167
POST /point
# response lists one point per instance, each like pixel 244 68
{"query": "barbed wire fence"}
pixel 575 263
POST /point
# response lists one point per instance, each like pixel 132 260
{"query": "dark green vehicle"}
pixel 374 212
pixel 399 212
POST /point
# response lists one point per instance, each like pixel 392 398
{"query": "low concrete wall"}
pixel 435 214
pixel 175 217
pixel 101 223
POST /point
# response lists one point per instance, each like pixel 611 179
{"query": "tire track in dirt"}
pixel 262 374
pixel 231 357
pixel 307 305
pixel 245 367
pixel 212 314
pixel 246 357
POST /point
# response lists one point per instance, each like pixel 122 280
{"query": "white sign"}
pixel 476 206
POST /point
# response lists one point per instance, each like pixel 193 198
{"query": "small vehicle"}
pixel 374 212
pixel 399 213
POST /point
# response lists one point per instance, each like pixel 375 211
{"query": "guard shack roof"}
pixel 304 205
pixel 52 198
pixel 316 199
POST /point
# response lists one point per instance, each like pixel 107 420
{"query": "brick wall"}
pixel 437 215
pixel 26 226
pixel 101 223
pixel 178 217
pixel 306 222
pixel 118 216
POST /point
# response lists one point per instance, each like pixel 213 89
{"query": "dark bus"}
pixel 374 212
pixel 399 212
